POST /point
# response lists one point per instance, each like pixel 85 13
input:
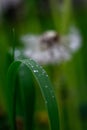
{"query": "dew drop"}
pixel 37 65
pixel 53 96
pixel 46 86
pixel 46 102
pixel 32 66
pixel 35 71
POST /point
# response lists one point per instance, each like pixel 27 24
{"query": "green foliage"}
pixel 46 90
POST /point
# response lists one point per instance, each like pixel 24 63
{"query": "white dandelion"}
pixel 50 48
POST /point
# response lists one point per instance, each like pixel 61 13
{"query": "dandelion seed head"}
pixel 59 51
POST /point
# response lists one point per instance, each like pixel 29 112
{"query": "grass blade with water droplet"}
pixel 45 86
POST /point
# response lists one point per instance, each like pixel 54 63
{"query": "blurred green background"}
pixel 19 17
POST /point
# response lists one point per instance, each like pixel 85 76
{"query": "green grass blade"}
pixel 27 90
pixel 45 86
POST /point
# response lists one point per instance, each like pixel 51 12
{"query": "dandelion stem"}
pixel 13 44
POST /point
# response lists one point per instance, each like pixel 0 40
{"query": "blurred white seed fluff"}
pixel 50 48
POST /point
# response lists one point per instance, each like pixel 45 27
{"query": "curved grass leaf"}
pixel 27 92
pixel 45 86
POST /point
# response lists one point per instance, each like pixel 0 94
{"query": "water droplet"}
pixel 46 86
pixel 13 30
pixel 35 71
pixel 37 65
pixel 46 102
pixel 53 96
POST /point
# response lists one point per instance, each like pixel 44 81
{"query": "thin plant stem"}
pixel 14 108
pixel 13 44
